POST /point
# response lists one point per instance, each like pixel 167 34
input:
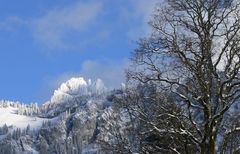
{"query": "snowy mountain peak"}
pixel 98 86
pixel 73 86
pixel 76 87
pixel 79 86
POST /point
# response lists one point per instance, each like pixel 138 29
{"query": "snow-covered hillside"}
pixel 10 117
pixel 67 123
pixel 12 113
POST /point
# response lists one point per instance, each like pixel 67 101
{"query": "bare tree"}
pixel 194 52
pixel 129 125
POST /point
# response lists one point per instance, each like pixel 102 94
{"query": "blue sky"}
pixel 45 42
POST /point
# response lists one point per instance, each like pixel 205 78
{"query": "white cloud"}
pixel 111 72
pixel 144 8
pixel 142 12
pixel 52 28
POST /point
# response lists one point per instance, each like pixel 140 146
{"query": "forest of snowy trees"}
pixel 23 109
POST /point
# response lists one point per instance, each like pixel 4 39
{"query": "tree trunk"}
pixel 212 144
pixel 208 147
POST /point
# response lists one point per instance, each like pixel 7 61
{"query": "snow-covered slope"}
pixel 67 123
pixel 10 117
pixel 18 115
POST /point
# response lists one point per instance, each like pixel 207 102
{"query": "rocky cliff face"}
pixel 70 125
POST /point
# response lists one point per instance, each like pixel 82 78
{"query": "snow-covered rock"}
pixel 75 87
